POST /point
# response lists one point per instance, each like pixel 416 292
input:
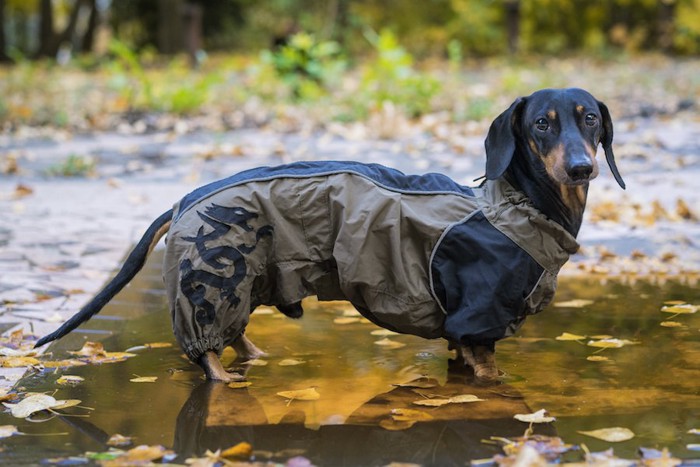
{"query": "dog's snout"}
pixel 580 171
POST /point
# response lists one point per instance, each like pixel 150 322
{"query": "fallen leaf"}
pixel 63 363
pixel 575 303
pixel 21 191
pixel 144 379
pixel 33 403
pixel 290 362
pixel 410 415
pixel 257 362
pixel 607 343
pixel 693 447
pixel 431 402
pixel 465 398
pixel 685 308
pixel 309 394
pixel 119 441
pixel 597 358
pixel 158 345
pixel 565 336
pixel 66 404
pixel 389 344
pixel 672 324
pixel 10 352
pixel 239 384
pixel 423 383
pixel 17 362
pixel 383 333
pixel 536 417
pixel 241 450
pixel 8 430
pixel 461 399
pixel 611 435
pixel 694 431
pixel 144 453
pixel 69 380
pixel 346 320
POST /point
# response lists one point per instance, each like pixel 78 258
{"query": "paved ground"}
pixel 62 237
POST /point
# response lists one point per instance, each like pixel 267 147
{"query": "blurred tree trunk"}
pixel 3 51
pixel 170 26
pixel 46 34
pixel 49 40
pixel 193 32
pixel 665 24
pixel 512 11
pixel 89 38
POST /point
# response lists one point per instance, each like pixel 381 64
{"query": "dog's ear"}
pixel 606 141
pixel 500 142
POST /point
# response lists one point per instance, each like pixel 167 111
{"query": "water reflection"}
pixel 651 388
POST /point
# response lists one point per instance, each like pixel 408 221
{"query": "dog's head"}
pixel 560 128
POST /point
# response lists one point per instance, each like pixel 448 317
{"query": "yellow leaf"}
pixel 611 435
pixel 63 363
pixel 575 303
pixel 431 402
pixel 565 336
pixel 144 453
pixel 309 394
pixel 464 398
pixel 346 320
pixel 609 343
pixel 257 362
pixel 601 336
pixel 410 415
pixel 672 324
pixel 685 308
pixel 422 383
pixel 383 333
pixel 144 379
pixel 239 384
pixel 66 404
pixel 69 380
pixel 241 450
pixel 118 440
pixel 536 417
pixel 389 344
pixel 17 362
pixel 694 431
pixel 597 358
pixel 90 349
pixel 158 345
pixel 290 362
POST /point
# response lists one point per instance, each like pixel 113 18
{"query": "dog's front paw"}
pixel 481 359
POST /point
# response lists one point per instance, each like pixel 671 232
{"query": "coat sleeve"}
pixel 482 280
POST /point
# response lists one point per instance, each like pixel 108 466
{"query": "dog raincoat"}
pixel 421 255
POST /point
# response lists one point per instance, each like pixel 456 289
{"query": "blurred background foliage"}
pixel 73 63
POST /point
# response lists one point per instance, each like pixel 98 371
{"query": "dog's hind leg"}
pixel 481 358
pixel 214 370
pixel 246 350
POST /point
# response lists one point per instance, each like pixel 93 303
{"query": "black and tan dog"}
pixel 415 254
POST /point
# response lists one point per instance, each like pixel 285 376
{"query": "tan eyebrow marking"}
pixel 579 109
pixel 552 114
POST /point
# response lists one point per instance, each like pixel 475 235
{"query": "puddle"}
pixel 651 388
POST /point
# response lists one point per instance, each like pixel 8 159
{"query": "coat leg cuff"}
pixel 196 349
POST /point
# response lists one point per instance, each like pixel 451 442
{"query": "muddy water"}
pixel 651 387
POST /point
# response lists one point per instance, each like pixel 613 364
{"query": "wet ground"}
pixel 649 387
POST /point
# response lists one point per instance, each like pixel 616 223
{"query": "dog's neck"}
pixel 564 204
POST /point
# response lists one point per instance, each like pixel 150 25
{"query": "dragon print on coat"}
pixel 194 282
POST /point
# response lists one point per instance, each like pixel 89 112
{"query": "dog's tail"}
pixel 133 264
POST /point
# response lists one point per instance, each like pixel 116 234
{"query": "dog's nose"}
pixel 580 171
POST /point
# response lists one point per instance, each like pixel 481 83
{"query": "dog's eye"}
pixel 542 124
pixel 591 119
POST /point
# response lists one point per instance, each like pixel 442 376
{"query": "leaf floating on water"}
pixel 575 303
pixel 144 379
pixel 612 435
pixel 8 430
pixel 158 345
pixel 565 336
pixel 291 362
pixel 119 441
pixel 536 417
pixel 684 309
pixel 671 324
pixel 257 362
pixel 693 447
pixel 383 333
pixel 675 302
pixel 17 362
pixel 601 336
pixel 66 404
pixel 69 380
pixel 694 431
pixel 389 344
pixel 95 352
pixel 143 454
pixel 239 384
pixel 10 352
pixel 309 394
pixel 460 399
pixel 410 415
pixel 31 404
pixel 597 358
pixel 611 343
pixel 346 320
pixel 423 383
pixel 240 451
